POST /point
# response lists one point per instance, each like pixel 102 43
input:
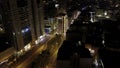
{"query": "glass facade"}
pixel 26 32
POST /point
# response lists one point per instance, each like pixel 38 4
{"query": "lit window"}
pixel 25 30
pixel 56 5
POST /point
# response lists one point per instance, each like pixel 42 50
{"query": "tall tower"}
pixel 18 15
pixel 37 9
pixel 6 31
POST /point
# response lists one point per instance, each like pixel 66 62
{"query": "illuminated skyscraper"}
pixel 21 23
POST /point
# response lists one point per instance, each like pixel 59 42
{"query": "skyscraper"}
pixel 21 23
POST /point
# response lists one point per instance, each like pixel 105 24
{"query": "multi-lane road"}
pixel 52 44
pixel 48 60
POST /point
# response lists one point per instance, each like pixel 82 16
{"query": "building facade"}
pixel 23 23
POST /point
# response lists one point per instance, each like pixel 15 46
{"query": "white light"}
pixel 6 42
pixel 36 42
pixel 117 5
pixel 79 42
pixel 41 37
pixel 59 17
pixel 105 13
pixel 107 17
pixel 13 33
pixel 99 15
pixel 26 30
pixel 77 14
pixel 21 51
pixel 23 31
pixel 91 51
pixel 96 63
pixel 84 8
pixel 1 29
pixel 3 61
pixel 72 21
pixel 56 5
pixel 103 42
pixel 27 47
pixel 91 20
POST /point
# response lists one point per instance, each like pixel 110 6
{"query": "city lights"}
pixel 25 30
pixel 59 33
pixel 56 5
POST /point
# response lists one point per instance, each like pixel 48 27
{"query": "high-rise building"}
pixel 21 23
pixel 6 31
pixel 38 19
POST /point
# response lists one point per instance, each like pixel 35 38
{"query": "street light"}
pixel 56 5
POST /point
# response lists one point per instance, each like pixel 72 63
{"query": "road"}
pixel 33 55
pixel 48 60
pixel 27 58
pixel 52 60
